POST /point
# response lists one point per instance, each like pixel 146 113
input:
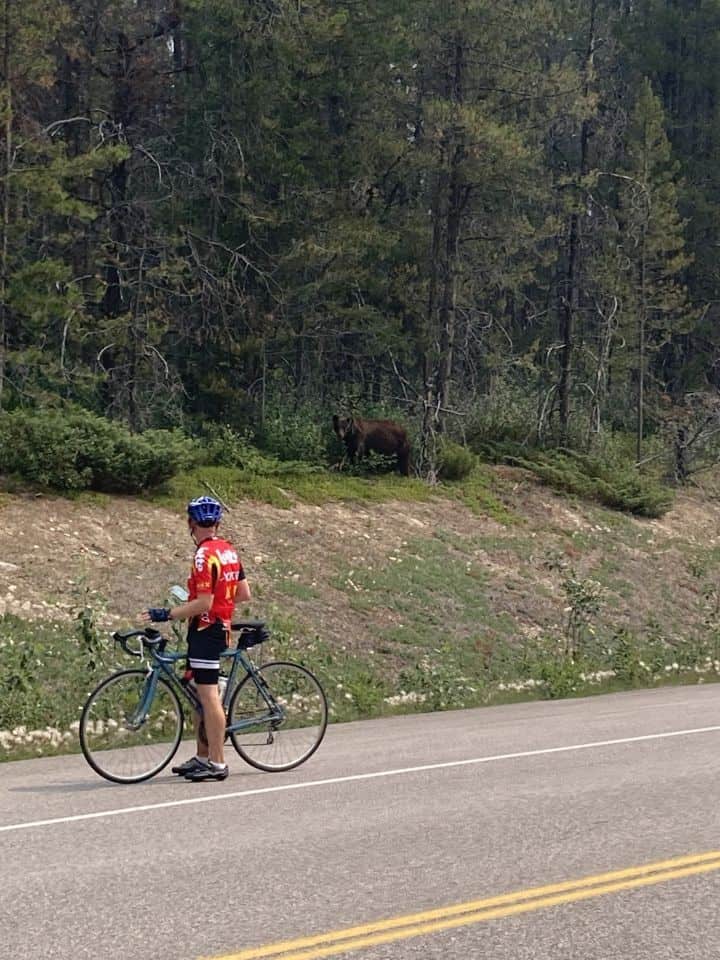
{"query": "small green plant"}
pixel 562 676
pixel 627 661
pixel 454 462
pixel 440 681
pixel 366 691
pixel 583 599
pixel 92 642
pixel 544 666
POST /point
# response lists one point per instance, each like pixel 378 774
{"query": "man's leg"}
pixel 204 649
pixel 214 721
pixel 201 744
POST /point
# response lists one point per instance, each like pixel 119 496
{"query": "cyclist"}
pixel 216 582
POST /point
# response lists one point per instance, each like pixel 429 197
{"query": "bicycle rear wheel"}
pixel 124 738
pixel 285 738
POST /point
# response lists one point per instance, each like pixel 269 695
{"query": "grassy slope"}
pixel 400 597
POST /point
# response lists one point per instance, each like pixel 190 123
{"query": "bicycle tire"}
pixel 273 745
pixel 124 749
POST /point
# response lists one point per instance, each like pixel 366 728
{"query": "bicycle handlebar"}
pixel 253 633
pixel 150 638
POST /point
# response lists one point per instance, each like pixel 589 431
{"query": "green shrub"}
pixel 141 461
pixel 221 446
pixel 508 413
pixel 38 448
pixel 77 450
pixel 561 677
pixel 626 659
pixel 454 461
pixel 300 433
pixel 615 484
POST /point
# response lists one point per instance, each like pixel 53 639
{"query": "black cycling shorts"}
pixel 204 649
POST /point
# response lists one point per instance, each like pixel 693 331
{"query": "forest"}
pixel 493 220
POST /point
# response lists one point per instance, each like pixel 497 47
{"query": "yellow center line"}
pixel 477 911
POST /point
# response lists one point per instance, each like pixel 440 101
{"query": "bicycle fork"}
pixel 138 717
pixel 277 714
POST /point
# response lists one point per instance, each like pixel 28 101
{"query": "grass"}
pixel 90 497
pixel 517 546
pixel 284 484
pixel 49 669
pixel 291 583
pixel 429 587
pixel 440 633
pixel 481 492
pixel 288 484
pixel 435 587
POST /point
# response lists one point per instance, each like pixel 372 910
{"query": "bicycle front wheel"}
pixel 126 734
pixel 283 734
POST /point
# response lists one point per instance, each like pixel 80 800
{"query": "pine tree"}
pixel 654 243
pixel 42 202
pixel 477 213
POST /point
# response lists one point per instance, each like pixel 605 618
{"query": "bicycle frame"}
pixel 164 664
pixel 143 708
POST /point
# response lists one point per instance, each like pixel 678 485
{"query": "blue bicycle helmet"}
pixel 205 511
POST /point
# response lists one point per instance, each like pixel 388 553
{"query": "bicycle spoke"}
pixel 285 735
pixel 126 737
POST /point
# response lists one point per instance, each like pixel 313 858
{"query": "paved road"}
pixel 423 822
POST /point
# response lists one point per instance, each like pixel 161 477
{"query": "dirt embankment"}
pixel 309 563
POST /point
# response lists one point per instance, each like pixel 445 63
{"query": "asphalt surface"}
pixel 398 818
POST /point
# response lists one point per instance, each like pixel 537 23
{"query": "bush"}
pixel 617 485
pixel 454 462
pixel 508 413
pixel 301 433
pixel 136 462
pixel 77 450
pixel 221 446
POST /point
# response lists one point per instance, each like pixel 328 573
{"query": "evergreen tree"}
pixel 677 45
pixel 43 200
pixel 653 241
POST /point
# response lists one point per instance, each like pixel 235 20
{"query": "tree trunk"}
pixel 448 303
pixel 567 331
pixel 601 373
pixel 7 108
pixel 642 324
pixel 571 298
pixel 448 203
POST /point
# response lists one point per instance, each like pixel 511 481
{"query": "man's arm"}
pixel 193 608
pixel 183 611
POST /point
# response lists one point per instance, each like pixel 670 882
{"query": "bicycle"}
pixel 132 723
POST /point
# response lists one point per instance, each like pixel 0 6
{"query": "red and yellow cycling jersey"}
pixel 217 570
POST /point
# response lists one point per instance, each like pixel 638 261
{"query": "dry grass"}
pixel 311 563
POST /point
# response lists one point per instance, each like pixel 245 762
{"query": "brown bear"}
pixel 381 436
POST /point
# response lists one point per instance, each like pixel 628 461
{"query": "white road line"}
pixel 214 798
